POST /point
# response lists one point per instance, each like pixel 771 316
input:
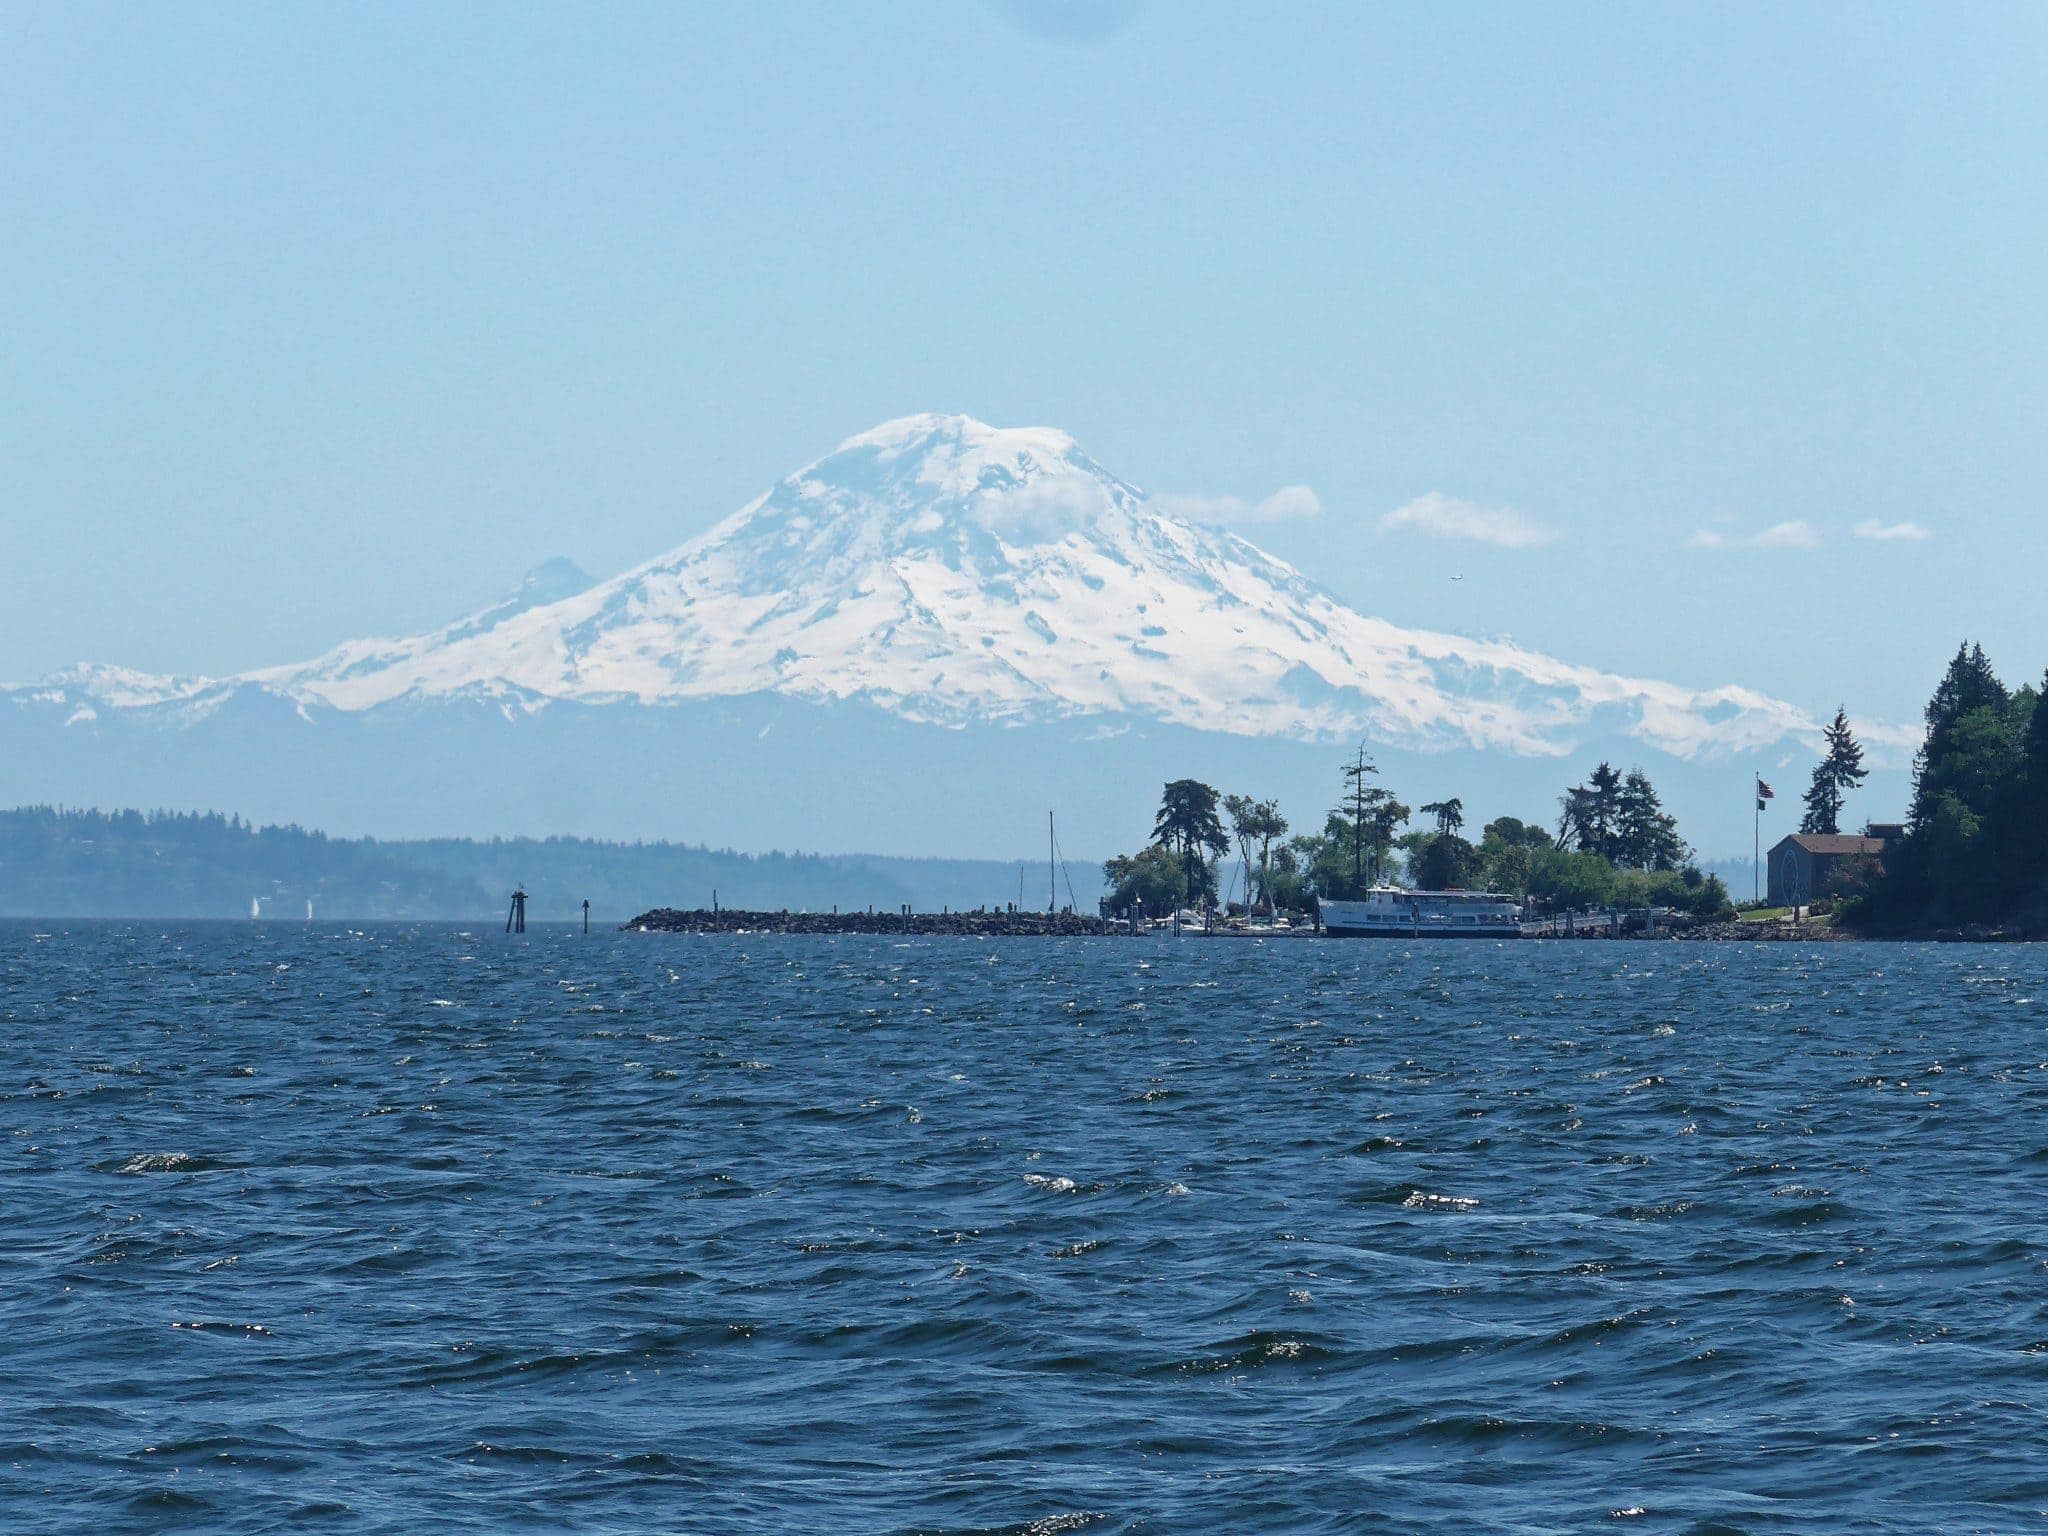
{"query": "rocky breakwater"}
pixel 966 925
pixel 1764 933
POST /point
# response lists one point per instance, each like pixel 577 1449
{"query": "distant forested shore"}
pixel 57 862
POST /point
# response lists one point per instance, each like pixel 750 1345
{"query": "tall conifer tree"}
pixel 1838 772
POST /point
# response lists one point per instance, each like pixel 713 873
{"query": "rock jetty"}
pixel 1764 933
pixel 969 925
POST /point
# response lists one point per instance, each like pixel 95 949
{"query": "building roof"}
pixel 1826 843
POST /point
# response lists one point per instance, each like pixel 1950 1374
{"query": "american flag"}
pixel 1764 792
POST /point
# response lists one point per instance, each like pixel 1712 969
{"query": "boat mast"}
pixel 1052 874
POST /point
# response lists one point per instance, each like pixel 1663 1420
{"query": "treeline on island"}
pixel 74 863
pixel 1975 851
pixel 57 862
pixel 1613 845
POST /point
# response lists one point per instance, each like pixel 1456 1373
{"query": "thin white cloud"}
pixel 1795 534
pixel 1291 503
pixel 1891 533
pixel 1446 517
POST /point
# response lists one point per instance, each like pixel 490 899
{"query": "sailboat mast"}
pixel 1052 874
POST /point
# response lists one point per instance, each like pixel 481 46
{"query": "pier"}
pixel 980 923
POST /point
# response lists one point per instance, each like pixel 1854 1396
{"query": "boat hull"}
pixel 1334 932
pixel 1391 912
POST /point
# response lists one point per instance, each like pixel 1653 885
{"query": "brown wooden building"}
pixel 1805 866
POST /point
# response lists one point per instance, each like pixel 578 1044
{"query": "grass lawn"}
pixel 1782 914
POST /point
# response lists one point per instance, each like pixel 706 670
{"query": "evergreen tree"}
pixel 1365 823
pixel 1838 772
pixel 1187 824
pixel 1845 753
pixel 1961 860
pixel 1605 786
pixel 1357 795
pixel 1823 803
pixel 1352 854
pixel 1449 814
pixel 1968 691
pixel 2029 813
pixel 1591 819
pixel 1645 834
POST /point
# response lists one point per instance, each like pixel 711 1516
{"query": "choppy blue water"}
pixel 409 1229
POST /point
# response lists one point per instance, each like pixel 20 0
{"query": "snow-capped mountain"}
pixel 954 573
pixel 916 645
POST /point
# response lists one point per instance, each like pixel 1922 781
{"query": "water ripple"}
pixel 401 1228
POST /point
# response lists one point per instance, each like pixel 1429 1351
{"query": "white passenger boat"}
pixel 1394 912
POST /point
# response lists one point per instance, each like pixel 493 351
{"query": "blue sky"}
pixel 329 320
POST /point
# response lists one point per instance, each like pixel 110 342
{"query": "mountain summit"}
pixel 952 572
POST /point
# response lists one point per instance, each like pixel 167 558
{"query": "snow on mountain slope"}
pixel 954 572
